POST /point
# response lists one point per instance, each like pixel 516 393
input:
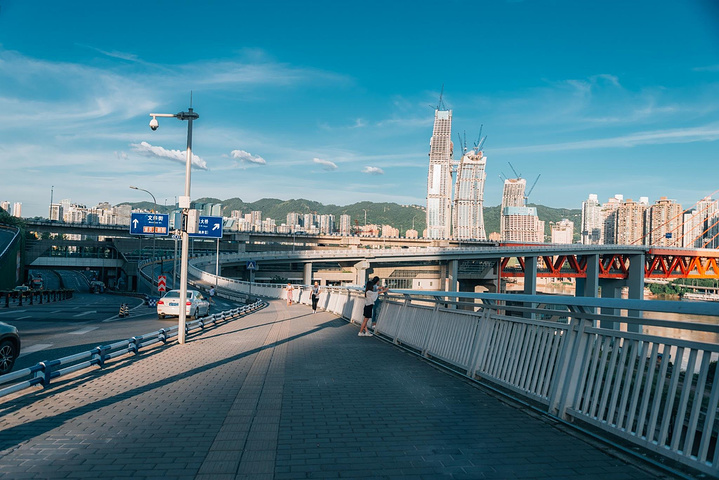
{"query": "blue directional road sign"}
pixel 149 224
pixel 209 227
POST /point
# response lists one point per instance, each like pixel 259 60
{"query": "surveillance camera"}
pixel 154 124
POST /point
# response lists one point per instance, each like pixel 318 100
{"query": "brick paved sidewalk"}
pixel 284 394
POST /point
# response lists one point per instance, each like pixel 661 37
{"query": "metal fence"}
pixel 561 354
pixel 655 390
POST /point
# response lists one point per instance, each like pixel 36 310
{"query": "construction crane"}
pixel 463 143
pixel 480 141
pixel 440 106
pixel 530 190
pixel 519 175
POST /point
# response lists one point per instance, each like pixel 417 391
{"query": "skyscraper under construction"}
pixel 468 216
pixel 439 180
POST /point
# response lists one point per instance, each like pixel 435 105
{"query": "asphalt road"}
pixel 58 329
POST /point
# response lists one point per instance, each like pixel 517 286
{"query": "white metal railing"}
pixel 655 390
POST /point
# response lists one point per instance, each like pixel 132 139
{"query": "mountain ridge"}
pixel 402 217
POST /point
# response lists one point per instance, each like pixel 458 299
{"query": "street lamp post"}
pixel 189 115
pixel 154 229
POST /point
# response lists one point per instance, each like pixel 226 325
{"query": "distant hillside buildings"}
pixel 663 224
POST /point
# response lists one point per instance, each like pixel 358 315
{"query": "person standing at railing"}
pixel 370 297
pixel 289 291
pixel 212 295
pixel 315 296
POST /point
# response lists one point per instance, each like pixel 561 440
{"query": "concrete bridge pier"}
pixel 307 278
pixel 635 282
pixel 611 288
pixel 530 282
pixel 589 286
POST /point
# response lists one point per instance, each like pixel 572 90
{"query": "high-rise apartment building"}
pixel 468 216
pixel 327 224
pixel 701 225
pixel 345 225
pixel 609 218
pixel 256 218
pixel 630 226
pixel 17 209
pixel 513 193
pixel 56 212
pixel 664 223
pixel 563 232
pixel 5 205
pixel 521 224
pixel 592 232
pixel 439 180
pixel 293 220
pixel 518 223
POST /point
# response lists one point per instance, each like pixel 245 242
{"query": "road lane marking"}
pixel 12 311
pixel 83 331
pixel 85 313
pixel 34 348
pixel 22 318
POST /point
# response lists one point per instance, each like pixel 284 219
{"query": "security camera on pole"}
pixel 184 204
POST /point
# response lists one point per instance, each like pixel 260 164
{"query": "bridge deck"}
pixel 285 394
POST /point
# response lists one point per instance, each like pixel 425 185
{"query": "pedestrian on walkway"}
pixel 289 291
pixel 315 296
pixel 370 296
pixel 212 295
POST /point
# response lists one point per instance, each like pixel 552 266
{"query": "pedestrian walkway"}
pixel 286 394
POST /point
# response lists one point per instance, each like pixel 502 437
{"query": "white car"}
pixel 196 305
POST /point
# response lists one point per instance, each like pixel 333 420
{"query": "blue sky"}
pixel 331 101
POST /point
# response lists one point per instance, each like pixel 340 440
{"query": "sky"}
pixel 334 101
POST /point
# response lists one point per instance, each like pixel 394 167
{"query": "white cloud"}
pixel 373 170
pixel 244 156
pixel 708 133
pixel 326 164
pixel 148 150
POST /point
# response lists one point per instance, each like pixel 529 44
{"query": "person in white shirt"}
pixel 290 291
pixel 370 296
pixel 315 296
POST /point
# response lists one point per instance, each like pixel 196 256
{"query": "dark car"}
pixel 9 347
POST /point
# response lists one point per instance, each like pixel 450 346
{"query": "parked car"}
pixel 22 288
pixel 196 305
pixel 9 347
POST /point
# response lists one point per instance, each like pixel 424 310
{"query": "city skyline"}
pixel 607 99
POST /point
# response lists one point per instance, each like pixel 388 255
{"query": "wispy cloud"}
pixel 247 157
pixel 709 133
pixel 708 68
pixel 326 164
pixel 373 170
pixel 144 148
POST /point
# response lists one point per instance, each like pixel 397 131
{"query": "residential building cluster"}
pixel 664 223
pixel 15 209
pixel 300 223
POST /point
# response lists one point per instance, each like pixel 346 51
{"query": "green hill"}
pixel 398 216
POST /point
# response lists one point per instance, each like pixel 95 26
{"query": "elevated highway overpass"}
pixel 445 264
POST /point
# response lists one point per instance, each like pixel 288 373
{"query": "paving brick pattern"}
pixel 284 394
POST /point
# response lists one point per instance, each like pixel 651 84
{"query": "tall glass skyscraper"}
pixel 467 216
pixel 439 180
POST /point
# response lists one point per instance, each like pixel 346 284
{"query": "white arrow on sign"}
pixel 135 222
pixel 216 226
